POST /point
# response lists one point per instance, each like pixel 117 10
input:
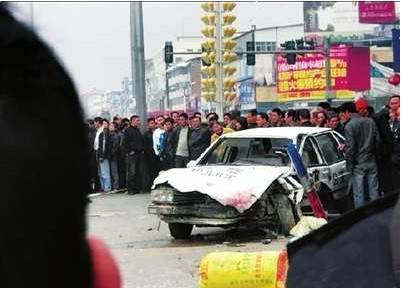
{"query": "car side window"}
pixel 309 155
pixel 329 148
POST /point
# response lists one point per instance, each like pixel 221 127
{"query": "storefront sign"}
pixel 305 80
pixel 377 12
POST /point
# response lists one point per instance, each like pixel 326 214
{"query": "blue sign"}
pixel 246 91
pixel 396 48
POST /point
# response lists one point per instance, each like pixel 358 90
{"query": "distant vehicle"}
pixel 246 177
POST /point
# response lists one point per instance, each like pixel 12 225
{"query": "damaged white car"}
pixel 246 177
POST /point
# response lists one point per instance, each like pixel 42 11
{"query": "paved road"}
pixel 149 257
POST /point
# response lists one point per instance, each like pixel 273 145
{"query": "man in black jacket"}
pixel 200 138
pixel 304 118
pixel 166 154
pixel 362 141
pixel 134 146
pixel 114 154
pixel 388 179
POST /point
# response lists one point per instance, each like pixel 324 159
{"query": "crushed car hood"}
pixel 235 186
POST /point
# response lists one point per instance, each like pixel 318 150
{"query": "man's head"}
pixel 323 106
pixel 321 119
pixel 98 122
pixel 217 128
pixel 113 127
pixel 195 122
pixel 290 117
pixel 117 119
pixel 262 120
pixel 183 120
pixel 175 116
pixel 394 102
pixel 346 111
pixel 159 121
pixel 211 115
pixel 362 107
pixel 105 124
pixel 135 121
pixel 151 125
pixel 212 120
pixel 168 125
pixel 251 116
pixel 227 118
pixel 313 116
pixel 304 115
pixel 235 113
pixel 333 120
pixel 276 115
pixel 197 114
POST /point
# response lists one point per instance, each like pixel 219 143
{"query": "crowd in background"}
pixel 124 156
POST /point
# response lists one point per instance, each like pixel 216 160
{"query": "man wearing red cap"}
pixel 362 107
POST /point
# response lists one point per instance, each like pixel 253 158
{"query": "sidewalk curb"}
pixel 107 193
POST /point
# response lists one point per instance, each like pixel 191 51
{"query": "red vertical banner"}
pixel 359 69
pixel 377 12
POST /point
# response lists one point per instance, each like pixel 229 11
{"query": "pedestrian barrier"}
pixel 266 269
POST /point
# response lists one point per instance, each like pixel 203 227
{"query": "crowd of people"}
pixel 123 156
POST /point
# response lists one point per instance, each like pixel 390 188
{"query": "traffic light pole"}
pixel 219 64
pixel 167 104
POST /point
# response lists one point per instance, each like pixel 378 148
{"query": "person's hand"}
pixel 341 147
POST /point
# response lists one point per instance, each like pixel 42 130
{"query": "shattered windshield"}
pixel 249 151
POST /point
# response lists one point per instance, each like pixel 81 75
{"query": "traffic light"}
pixel 290 57
pixel 250 57
pixel 208 55
pixel 205 59
pixel 218 20
pixel 229 55
pixel 168 52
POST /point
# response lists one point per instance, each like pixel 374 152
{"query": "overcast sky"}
pixel 92 39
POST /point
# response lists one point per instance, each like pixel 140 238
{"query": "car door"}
pixel 315 164
pixel 336 163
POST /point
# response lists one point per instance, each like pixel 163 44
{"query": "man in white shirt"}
pixel 156 136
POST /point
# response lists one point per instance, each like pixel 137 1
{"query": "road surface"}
pixel 150 257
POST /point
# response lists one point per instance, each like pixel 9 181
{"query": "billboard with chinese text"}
pixel 305 80
pixel 377 12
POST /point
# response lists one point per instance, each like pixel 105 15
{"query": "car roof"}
pixel 276 132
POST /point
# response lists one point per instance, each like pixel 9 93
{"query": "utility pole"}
pixel 329 93
pixel 138 59
pixel 219 63
pixel 167 104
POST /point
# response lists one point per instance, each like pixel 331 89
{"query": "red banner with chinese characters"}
pixel 377 12
pixel 305 80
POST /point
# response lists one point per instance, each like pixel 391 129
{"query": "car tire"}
pixel 285 213
pixel 180 230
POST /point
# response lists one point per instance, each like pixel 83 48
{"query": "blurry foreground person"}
pixel 45 172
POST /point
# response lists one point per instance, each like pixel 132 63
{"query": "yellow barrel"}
pixel 243 270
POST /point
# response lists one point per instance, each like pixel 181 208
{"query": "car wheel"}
pixel 285 213
pixel 180 230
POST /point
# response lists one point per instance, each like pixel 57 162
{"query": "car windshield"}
pixel 249 151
